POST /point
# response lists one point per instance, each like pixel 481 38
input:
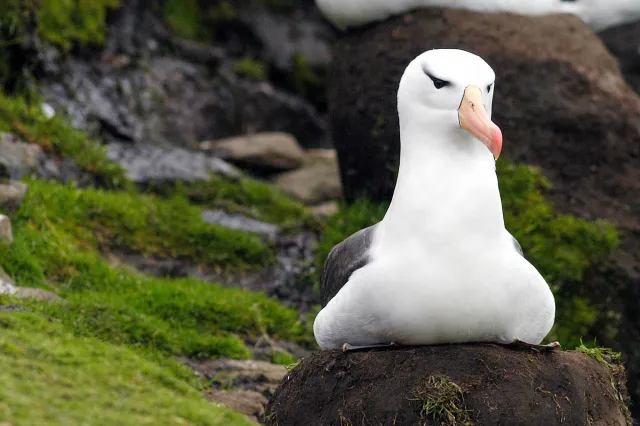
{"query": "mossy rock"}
pixel 470 384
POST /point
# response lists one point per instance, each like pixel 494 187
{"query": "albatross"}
pixel 440 267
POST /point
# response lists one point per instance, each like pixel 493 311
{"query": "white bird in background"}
pixel 440 267
pixel 599 14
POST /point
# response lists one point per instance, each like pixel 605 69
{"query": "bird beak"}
pixel 474 119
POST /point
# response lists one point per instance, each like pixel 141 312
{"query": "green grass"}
pixel 250 68
pixel 604 355
pixel 560 246
pixel 246 196
pixel 25 118
pixel 57 236
pixel 441 401
pixel 51 376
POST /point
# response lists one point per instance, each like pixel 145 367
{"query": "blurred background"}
pixel 174 173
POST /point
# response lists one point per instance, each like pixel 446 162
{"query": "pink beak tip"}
pixel 496 141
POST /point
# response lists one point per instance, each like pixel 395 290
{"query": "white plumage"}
pixel 599 14
pixel 442 267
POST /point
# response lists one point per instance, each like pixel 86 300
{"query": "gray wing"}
pixel 516 244
pixel 343 260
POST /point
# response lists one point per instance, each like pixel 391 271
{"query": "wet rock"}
pixel 6 284
pixel 450 384
pixel 18 158
pixel 267 152
pixel 6 233
pixel 239 222
pixel 624 42
pixel 249 403
pixel 147 163
pixel 318 181
pixel 12 195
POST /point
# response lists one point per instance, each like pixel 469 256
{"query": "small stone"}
pixel 36 294
pixel 270 150
pixel 326 209
pixel 239 222
pixel 6 234
pixel 6 284
pixel 18 158
pixel 318 181
pixel 250 403
pixel 12 195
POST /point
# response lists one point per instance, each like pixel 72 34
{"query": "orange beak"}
pixel 475 120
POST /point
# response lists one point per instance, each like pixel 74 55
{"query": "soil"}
pixel 499 386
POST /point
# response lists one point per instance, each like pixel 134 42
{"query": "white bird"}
pixel 440 267
pixel 599 14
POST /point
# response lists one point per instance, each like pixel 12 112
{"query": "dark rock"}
pixel 624 42
pixel 147 164
pixel 239 222
pixel 479 384
pixel 567 111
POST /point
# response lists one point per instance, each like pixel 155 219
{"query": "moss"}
pixel 282 358
pixel 62 23
pixel 560 246
pixel 247 196
pixel 50 376
pixel 186 18
pixel 604 355
pixel 250 68
pixel 57 235
pixel 223 11
pixel 442 401
pixel 25 118
pixel 305 79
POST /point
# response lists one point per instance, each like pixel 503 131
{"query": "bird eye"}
pixel 489 88
pixel 438 83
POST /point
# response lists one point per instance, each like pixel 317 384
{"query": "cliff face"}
pixel 448 385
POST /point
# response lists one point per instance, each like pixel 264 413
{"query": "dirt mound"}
pixel 479 384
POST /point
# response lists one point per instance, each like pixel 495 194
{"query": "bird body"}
pixel 440 267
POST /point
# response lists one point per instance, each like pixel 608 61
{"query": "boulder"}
pixel 249 403
pixel 6 233
pixel 268 152
pixel 148 163
pixel 12 195
pixel 562 104
pixel 471 384
pixel 317 181
pixel 6 284
pixel 624 42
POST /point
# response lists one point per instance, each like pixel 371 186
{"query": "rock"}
pixel 11 308
pixel 282 36
pixel 6 233
pixel 317 181
pixel 6 284
pixel 36 294
pixel 624 42
pixel 261 151
pixel 258 376
pixel 12 195
pixel 249 403
pixel 147 163
pixel 18 158
pixel 239 222
pixel 326 209
pixel 477 384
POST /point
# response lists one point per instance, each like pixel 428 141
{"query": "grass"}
pixel 246 196
pixel 250 68
pixel 561 247
pixel 605 355
pixel 51 376
pixel 442 401
pixel 24 117
pixel 58 234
